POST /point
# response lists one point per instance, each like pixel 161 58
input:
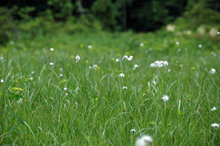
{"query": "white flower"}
pixel 89 46
pixel 90 67
pixel 125 57
pixel 77 58
pixel 152 65
pixel 170 27
pixel 51 64
pixel 117 60
pixel 165 98
pixel 133 130
pixel 215 125
pixel 141 44
pixel 214 108
pixel 144 140
pixel 136 66
pixel 129 59
pixel 122 75
pixel 165 63
pixel 212 71
pixel 51 49
pixel 2 81
pixel 177 43
pixel 155 80
pixel 124 87
pixel 66 94
pixel 200 46
pixel 31 78
pixel 168 70
pixel 61 69
pixel 61 75
pixel 65 88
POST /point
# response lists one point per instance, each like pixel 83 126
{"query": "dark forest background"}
pixel 107 15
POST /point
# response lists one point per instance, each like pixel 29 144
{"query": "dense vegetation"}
pixel 66 79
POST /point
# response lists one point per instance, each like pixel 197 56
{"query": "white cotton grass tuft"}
pixel 125 87
pixel 212 71
pixel 177 43
pixel 159 64
pixel 214 108
pixel 77 58
pixel 165 98
pixel 122 75
pixel 125 57
pixel 200 46
pixel 51 64
pixel 133 130
pixel 89 47
pixel 51 49
pixel 215 125
pixel 116 60
pixel 61 75
pixel 2 81
pixel 144 140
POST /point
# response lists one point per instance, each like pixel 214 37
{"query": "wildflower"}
pixel 2 81
pixel 51 49
pixel 177 43
pixel 31 78
pixel 66 94
pixel 141 44
pixel 89 46
pixel 61 75
pixel 61 69
pixel 122 75
pixel 214 108
pixel 51 64
pixel 168 70
pixel 212 71
pixel 136 66
pixel 77 58
pixel 165 63
pixel 129 59
pixel 65 88
pixel 117 60
pixel 90 67
pixel 124 88
pixel 152 65
pixel 215 125
pixel 125 57
pixel 133 130
pixel 200 46
pixel 144 140
pixel 165 98
pixel 170 27
pixel 95 65
pixel 159 64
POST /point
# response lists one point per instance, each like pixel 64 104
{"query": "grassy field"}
pixel 77 95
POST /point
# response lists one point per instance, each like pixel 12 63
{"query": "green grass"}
pixel 97 111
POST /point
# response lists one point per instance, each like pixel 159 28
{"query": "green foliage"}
pixel 199 14
pixel 6 30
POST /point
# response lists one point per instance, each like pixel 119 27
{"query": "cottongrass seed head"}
pixel 214 108
pixel 165 98
pixel 215 125
pixel 122 75
pixel 212 71
pixel 145 140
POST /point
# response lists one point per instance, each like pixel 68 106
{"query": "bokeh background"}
pixel 51 16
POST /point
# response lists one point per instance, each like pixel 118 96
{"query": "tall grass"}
pixel 35 109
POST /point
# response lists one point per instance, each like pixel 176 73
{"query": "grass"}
pixel 97 111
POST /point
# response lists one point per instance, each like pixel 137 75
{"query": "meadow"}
pixel 82 90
